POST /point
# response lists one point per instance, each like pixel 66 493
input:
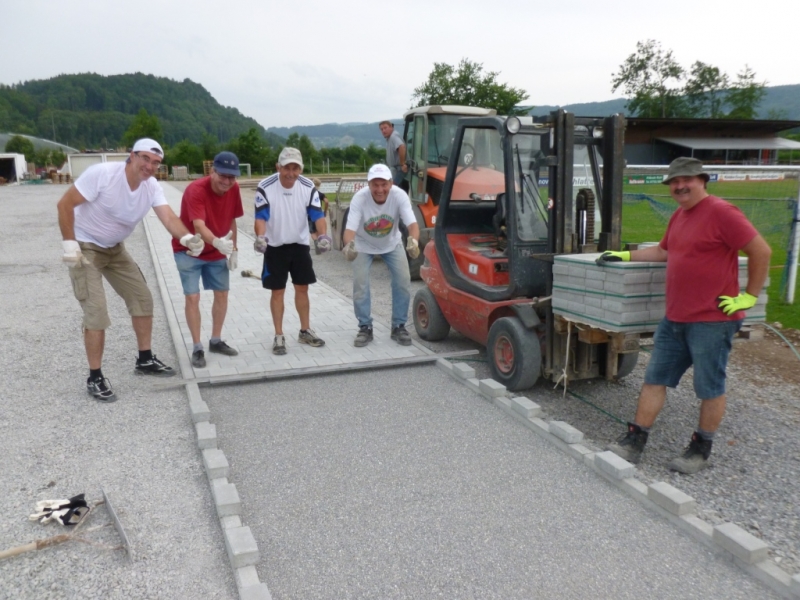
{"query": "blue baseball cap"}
pixel 227 163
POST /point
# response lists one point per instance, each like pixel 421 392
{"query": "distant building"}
pixel 38 143
pixel 713 141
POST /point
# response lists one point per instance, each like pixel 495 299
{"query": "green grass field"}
pixel 645 221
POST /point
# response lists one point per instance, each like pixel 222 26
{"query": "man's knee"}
pixel 192 300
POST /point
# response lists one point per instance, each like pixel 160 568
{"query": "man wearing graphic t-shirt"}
pixel 373 229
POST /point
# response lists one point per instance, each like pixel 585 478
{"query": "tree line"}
pixel 658 86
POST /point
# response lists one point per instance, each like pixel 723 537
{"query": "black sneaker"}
pixel 221 347
pixel 100 388
pixel 153 367
pixel 363 337
pixel 401 336
pixel 694 458
pixel 631 445
pixel 198 359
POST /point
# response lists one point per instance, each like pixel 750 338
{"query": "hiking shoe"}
pixel 279 345
pixel 198 359
pixel 100 388
pixel 363 337
pixel 694 458
pixel 153 367
pixel 221 347
pixel 307 336
pixel 631 445
pixel 401 336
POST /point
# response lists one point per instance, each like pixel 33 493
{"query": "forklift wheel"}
pixel 429 321
pixel 515 355
pixel 626 364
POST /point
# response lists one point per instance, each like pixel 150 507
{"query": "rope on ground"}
pixel 780 335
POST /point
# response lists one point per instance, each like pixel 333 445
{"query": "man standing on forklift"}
pixel 705 308
pixel 373 229
pixel 395 152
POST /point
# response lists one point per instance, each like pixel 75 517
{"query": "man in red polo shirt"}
pixel 210 207
pixel 705 308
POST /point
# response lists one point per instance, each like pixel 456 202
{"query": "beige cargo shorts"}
pixel 121 272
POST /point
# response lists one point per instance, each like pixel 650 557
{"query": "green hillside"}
pixel 93 111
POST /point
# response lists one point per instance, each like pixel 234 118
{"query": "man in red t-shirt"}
pixel 210 207
pixel 705 307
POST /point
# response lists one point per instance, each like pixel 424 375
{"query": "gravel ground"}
pixel 754 480
pixel 57 441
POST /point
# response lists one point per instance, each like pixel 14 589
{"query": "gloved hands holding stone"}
pixel 350 251
pixel 611 256
pixel 730 305
pixel 72 253
pixel 66 512
pixel 412 247
pixel 194 243
pixel 260 245
pixel 233 260
pixel 324 243
pixel 224 245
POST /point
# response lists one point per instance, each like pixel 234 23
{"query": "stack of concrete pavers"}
pixel 622 296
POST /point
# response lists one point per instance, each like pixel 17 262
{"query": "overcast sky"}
pixel 336 61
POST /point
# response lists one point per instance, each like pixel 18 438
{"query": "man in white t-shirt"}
pixel 373 229
pixel 285 202
pixel 96 215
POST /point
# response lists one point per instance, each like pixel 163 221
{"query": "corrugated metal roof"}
pixel 763 143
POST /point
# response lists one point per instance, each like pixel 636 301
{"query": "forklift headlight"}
pixel 513 125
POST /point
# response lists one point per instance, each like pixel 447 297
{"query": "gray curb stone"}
pixel 215 463
pixel 241 547
pixel 226 498
pixel 206 435
pixel 672 499
pixel 747 551
pixel 741 544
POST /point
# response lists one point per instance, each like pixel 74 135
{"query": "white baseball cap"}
pixel 379 171
pixel 290 155
pixel 148 145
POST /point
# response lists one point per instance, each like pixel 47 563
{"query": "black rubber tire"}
pixel 429 321
pixel 626 363
pixel 515 354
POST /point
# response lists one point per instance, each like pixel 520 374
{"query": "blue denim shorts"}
pixel 705 346
pixel 215 274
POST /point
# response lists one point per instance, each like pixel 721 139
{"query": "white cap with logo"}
pixel 379 171
pixel 290 155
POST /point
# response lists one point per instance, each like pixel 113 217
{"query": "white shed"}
pixel 13 167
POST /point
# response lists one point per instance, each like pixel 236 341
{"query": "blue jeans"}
pixel 705 346
pixel 397 175
pixel 215 274
pixel 401 286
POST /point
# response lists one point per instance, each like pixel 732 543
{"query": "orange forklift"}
pixel 518 191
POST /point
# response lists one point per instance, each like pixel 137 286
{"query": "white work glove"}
pixel 412 247
pixel 350 251
pixel 194 243
pixel 324 243
pixel 233 260
pixel 66 512
pixel 72 253
pixel 224 245
pixel 260 245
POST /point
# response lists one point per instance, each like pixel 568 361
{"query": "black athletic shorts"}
pixel 280 261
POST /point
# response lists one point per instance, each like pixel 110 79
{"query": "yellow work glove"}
pixel 730 305
pixel 611 256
